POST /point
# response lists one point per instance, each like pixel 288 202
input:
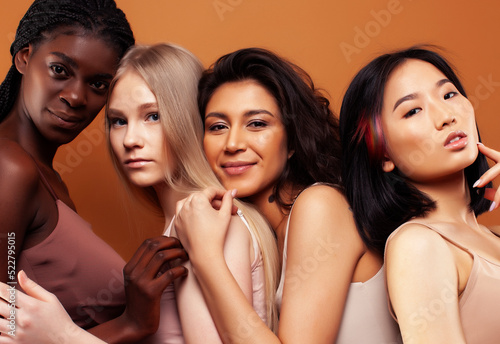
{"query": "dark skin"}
pixel 64 86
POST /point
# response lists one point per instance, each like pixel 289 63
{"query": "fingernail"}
pixel 476 183
pixel 234 192
pixel 493 206
pixel 480 143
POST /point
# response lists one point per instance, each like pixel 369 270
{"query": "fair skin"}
pixel 64 85
pixel 138 140
pixel 421 107
pixel 243 124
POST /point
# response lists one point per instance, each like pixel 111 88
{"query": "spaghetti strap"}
pixel 45 181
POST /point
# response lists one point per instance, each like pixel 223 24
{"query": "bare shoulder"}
pixel 414 240
pixel 322 211
pixel 322 199
pixel 17 169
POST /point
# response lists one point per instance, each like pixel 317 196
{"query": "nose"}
pixel 235 141
pixel 133 137
pixel 444 115
pixel 74 93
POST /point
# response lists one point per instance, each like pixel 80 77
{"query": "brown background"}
pixel 329 39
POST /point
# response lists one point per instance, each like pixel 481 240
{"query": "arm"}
pixel 421 273
pixel 196 320
pixel 19 182
pixel 323 250
pixel 39 317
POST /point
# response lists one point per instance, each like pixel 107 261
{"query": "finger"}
pixel 488 176
pixel 5 309
pixel 5 327
pixel 179 205
pixel 489 152
pixel 161 259
pixel 227 203
pixel 496 201
pixel 213 193
pixel 489 194
pixel 137 264
pixel 32 288
pixel 172 274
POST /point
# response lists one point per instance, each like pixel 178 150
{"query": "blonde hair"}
pixel 172 73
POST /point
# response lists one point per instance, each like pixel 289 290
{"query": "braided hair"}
pixel 99 17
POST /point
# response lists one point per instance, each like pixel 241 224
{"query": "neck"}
pixel 452 199
pixel 275 215
pixel 168 199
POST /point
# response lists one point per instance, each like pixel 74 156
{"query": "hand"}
pixel 146 275
pixel 39 317
pixel 488 176
pixel 202 228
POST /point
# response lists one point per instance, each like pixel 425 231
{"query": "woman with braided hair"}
pixel 63 59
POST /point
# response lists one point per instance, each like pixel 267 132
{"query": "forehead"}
pixel 412 73
pixel 130 90
pixel 87 50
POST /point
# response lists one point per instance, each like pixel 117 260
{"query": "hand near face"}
pixel 39 317
pixel 488 176
pixel 202 220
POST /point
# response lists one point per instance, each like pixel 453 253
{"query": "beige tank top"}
pixel 366 317
pixel 479 303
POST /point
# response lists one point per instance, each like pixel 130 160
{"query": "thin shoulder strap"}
pixel 438 228
pixel 45 181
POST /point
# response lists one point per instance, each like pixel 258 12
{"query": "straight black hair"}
pixel 382 201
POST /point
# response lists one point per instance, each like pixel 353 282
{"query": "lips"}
pixel 65 121
pixel 456 140
pixel 237 167
pixel 136 162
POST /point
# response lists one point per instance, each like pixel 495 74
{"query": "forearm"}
pixel 233 315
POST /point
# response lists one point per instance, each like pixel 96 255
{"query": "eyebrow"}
pixel 414 95
pixel 145 106
pixel 246 114
pixel 74 65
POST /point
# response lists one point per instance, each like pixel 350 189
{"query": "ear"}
pixel 387 164
pixel 21 59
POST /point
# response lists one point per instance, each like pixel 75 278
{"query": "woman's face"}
pixel 429 127
pixel 65 83
pixel 135 132
pixel 245 140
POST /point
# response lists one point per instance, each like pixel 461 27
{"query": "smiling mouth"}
pixel 237 168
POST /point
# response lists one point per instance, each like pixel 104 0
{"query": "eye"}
pixel 58 70
pixel 216 127
pixel 257 124
pixel 100 85
pixel 450 95
pixel 153 117
pixel 117 122
pixel 412 112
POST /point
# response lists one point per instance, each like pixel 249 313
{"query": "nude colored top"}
pixel 366 317
pixel 84 272
pixel 479 303
pixel 170 330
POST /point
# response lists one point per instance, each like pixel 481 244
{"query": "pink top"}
pixel 480 301
pixel 170 330
pixel 77 266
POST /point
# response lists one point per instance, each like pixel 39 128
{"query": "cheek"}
pixel 210 146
